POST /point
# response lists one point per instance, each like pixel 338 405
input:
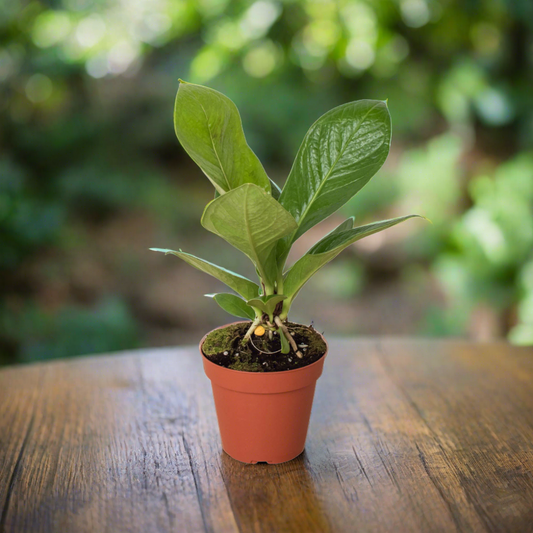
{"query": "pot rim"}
pixel 275 373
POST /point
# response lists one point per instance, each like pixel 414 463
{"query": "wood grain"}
pixel 405 436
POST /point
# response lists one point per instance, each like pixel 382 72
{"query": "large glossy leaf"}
pixel 233 305
pixel 252 221
pixel 341 151
pixel 327 249
pixel 241 285
pixel 209 128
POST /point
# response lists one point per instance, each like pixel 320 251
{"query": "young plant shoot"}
pixel 339 154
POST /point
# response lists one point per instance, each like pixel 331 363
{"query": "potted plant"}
pixel 263 371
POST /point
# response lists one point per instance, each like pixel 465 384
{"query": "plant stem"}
pixel 254 325
pixel 288 336
pixel 279 281
pixel 270 326
pixel 285 309
pixel 269 289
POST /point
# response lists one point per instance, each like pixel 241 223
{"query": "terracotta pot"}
pixel 263 416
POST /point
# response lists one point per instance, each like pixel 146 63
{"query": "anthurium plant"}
pixel 339 154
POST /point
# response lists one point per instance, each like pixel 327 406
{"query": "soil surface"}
pixel 225 347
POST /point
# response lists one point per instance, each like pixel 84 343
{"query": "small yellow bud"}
pixel 259 331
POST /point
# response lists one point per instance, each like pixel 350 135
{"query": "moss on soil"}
pixel 218 340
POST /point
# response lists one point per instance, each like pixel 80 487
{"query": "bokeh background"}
pixel 91 174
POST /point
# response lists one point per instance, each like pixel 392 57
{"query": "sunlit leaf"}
pixel 253 221
pixel 209 128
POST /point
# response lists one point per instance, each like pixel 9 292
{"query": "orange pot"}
pixel 263 417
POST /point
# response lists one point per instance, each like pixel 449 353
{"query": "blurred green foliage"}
pixel 40 335
pixel 86 96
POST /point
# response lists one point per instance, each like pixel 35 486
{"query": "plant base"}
pixel 263 417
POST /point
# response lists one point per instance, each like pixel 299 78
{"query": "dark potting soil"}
pixel 225 347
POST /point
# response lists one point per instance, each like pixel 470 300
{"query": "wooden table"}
pixel 406 435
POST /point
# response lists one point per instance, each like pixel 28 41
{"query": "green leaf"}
pixel 276 191
pixel 327 249
pixel 209 128
pixel 341 151
pixel 268 304
pixel 285 346
pixel 252 221
pixel 243 286
pixel 233 305
pixel 347 224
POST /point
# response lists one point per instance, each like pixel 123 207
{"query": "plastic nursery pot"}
pixel 263 416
